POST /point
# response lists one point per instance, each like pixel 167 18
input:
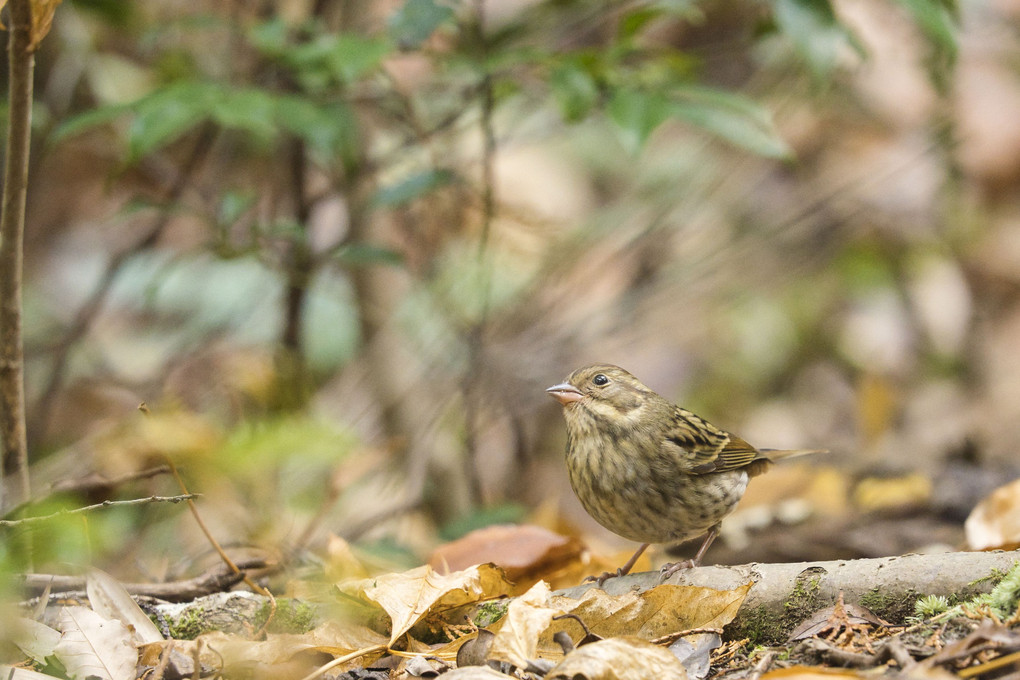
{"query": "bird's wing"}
pixel 704 448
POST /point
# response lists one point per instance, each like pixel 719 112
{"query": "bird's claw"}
pixel 668 570
pixel 604 576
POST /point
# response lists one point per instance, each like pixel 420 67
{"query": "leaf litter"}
pixel 466 624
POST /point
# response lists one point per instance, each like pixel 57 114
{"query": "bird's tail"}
pixel 779 454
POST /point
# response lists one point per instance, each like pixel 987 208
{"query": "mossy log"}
pixel 783 595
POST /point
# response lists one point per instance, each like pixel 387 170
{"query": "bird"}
pixel 649 470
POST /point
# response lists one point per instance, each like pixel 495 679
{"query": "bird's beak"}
pixel 565 393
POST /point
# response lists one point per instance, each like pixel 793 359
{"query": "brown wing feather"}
pixel 705 448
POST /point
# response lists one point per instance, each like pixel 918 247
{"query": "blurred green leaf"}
pixel 633 21
pixel 815 31
pixel 165 115
pixel 936 20
pixel 88 120
pixel 328 128
pixel 575 90
pixel 637 113
pixel 352 56
pixel 269 37
pixel 412 24
pixel 233 204
pixel 250 110
pixel 733 117
pixel 410 188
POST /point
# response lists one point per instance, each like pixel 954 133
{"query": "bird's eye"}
pixel 600 380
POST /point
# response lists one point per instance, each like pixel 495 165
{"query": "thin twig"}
pixel 97 506
pixel 89 483
pixel 673 637
pixel 219 549
pixel 764 663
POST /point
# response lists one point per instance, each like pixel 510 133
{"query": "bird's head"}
pixel 603 389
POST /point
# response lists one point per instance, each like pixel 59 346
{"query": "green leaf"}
pixel 163 116
pixel 269 37
pixel 330 129
pixel 575 90
pixel 352 56
pixel 735 118
pixel 938 23
pixel 88 120
pixel 234 204
pixel 633 21
pixel 636 114
pixel 412 24
pixel 249 109
pixel 411 188
pixel 815 31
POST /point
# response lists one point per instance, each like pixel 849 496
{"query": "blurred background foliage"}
pixel 340 248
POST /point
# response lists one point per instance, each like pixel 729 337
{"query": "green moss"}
pixel 292 616
pixel 490 612
pixel 189 625
pixel 758 626
pixel 763 627
pixel 803 600
pixel 895 609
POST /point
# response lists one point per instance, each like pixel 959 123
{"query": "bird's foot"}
pixel 605 576
pixel 668 570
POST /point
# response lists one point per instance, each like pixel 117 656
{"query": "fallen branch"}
pixel 785 594
pixel 215 580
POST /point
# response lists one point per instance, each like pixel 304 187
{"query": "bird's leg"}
pixel 622 571
pixel 672 568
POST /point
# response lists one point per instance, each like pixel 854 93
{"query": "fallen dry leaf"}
pixel 91 646
pixel 411 596
pixel 34 639
pixel 518 632
pixel 656 612
pixel 995 521
pixel 874 493
pixel 234 655
pixel 619 658
pixel 111 600
pixel 526 553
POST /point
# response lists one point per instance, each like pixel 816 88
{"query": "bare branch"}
pixel 98 506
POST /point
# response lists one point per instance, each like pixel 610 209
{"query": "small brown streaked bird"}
pixel 649 470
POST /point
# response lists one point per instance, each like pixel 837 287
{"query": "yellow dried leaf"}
pixel 518 632
pixel 874 493
pixel 619 658
pixel 42 20
pixel 656 612
pixel 411 596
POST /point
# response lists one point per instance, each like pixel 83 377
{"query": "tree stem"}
pixel 21 61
